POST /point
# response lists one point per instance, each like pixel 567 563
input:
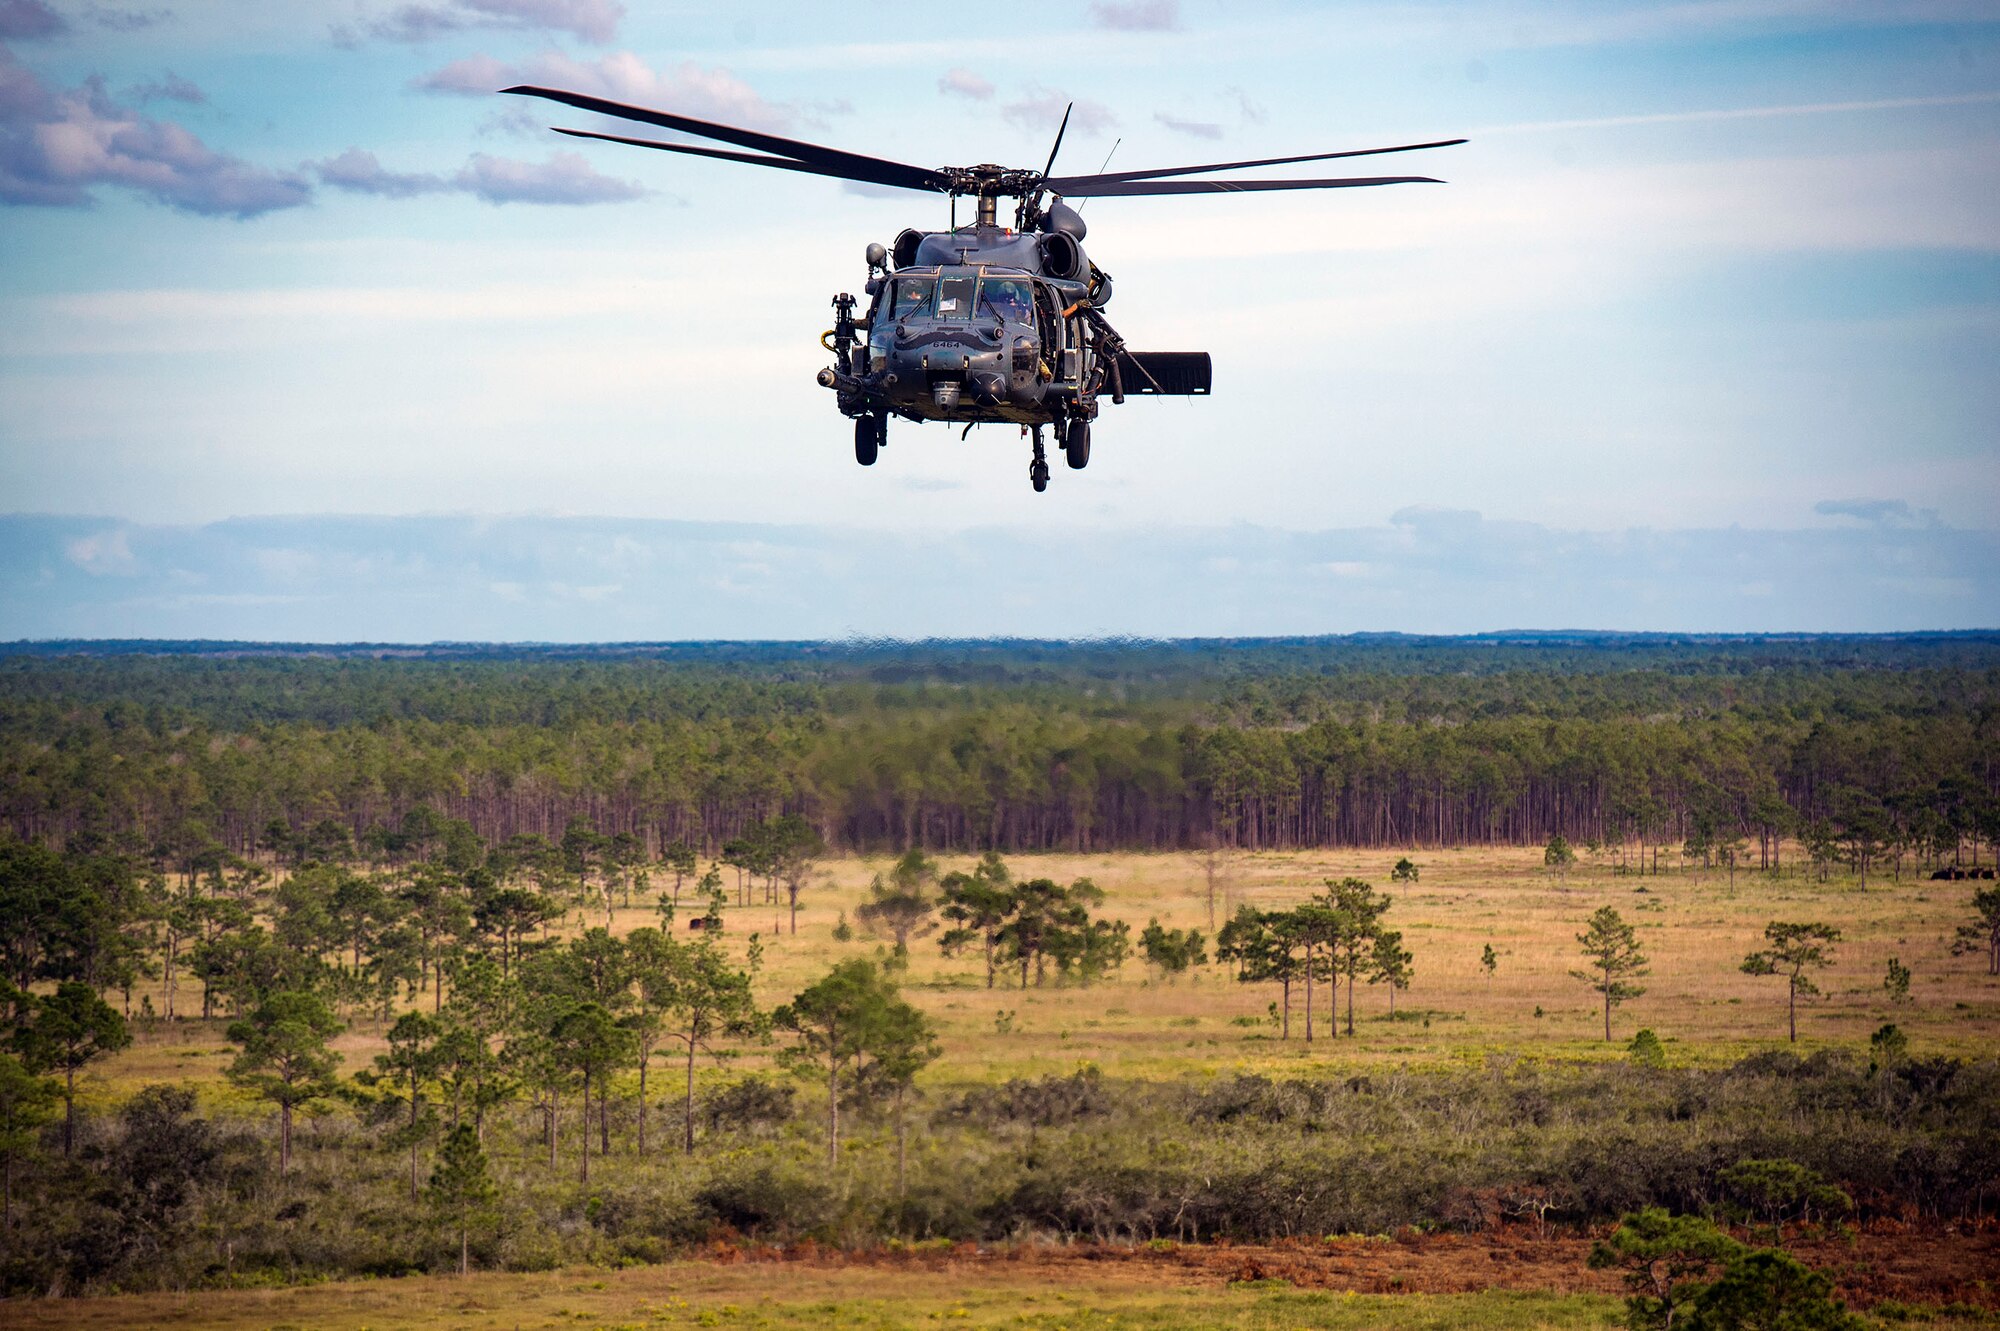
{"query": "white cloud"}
pixel 590 20
pixel 25 20
pixel 1137 15
pixel 566 178
pixel 965 83
pixel 691 89
pixel 57 147
pixel 1200 129
pixel 514 578
pixel 1042 109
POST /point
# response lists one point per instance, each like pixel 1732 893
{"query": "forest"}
pixel 1886 746
pixel 441 959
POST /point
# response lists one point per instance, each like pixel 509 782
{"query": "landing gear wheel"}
pixel 1076 445
pixel 1038 476
pixel 869 434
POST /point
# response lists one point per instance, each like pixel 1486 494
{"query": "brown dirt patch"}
pixel 1886 1260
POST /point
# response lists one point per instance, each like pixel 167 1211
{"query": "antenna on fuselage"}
pixel 1100 170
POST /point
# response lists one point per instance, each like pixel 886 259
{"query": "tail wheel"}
pixel 1038 475
pixel 868 433
pixel 1076 445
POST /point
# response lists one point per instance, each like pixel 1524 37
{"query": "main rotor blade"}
pixel 753 159
pixel 1062 185
pixel 1051 164
pixel 853 166
pixel 1125 187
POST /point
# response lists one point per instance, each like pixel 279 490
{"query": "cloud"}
pixel 1200 129
pixel 965 83
pixel 1430 517
pixel 170 88
pixel 600 579
pixel 1878 512
pixel 590 20
pixel 1042 109
pixel 106 553
pixel 128 20
pixel 25 20
pixel 57 147
pixel 1743 113
pixel 687 89
pixel 1137 16
pixel 1251 110
pixel 359 172
pixel 564 179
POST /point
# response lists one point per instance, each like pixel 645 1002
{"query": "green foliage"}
pixel 1405 871
pixel 284 1058
pixel 1666 1260
pixel 67 1031
pixel 1896 981
pixel 1683 1271
pixel 1777 1191
pixel 1174 951
pixel 1769 1290
pixel 1011 745
pixel 855 1030
pixel 1612 948
pixel 1489 960
pixel 1646 1049
pixel 902 904
pixel 1390 963
pixel 1983 934
pixel 27 1104
pixel 461 1188
pixel 1888 1047
pixel 1793 949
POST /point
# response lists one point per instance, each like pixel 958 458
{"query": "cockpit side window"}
pixel 955 298
pixel 1004 298
pixel 913 295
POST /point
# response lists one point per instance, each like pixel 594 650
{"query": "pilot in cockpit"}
pixel 912 297
pixel 1005 298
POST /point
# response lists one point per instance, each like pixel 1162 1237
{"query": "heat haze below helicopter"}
pixel 1675 227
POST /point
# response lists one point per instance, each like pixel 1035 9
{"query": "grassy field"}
pixel 692 1294
pixel 1696 930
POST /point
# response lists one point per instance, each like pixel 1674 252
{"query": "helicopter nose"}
pixel 988 388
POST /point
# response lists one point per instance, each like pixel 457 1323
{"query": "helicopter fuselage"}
pixel 970 326
pixel 961 343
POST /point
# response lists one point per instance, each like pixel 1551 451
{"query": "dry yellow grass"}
pixel 685 1294
pixel 1696 931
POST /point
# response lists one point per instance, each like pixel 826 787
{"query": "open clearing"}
pixel 1512 1278
pixel 1695 927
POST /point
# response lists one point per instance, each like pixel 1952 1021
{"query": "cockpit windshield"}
pixel 955 298
pixel 1005 298
pixel 913 295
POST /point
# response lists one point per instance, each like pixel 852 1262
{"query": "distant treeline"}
pixel 1881 745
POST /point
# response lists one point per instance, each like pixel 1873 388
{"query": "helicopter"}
pixel 983 323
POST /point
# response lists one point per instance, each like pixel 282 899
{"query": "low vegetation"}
pixel 399 1037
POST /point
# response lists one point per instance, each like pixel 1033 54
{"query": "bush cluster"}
pixel 161 1195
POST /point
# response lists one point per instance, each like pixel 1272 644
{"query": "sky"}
pixel 305 333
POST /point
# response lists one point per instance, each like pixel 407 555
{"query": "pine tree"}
pixel 1793 948
pixel 461 1188
pixel 1612 948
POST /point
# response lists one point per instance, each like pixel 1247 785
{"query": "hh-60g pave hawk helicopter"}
pixel 983 324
